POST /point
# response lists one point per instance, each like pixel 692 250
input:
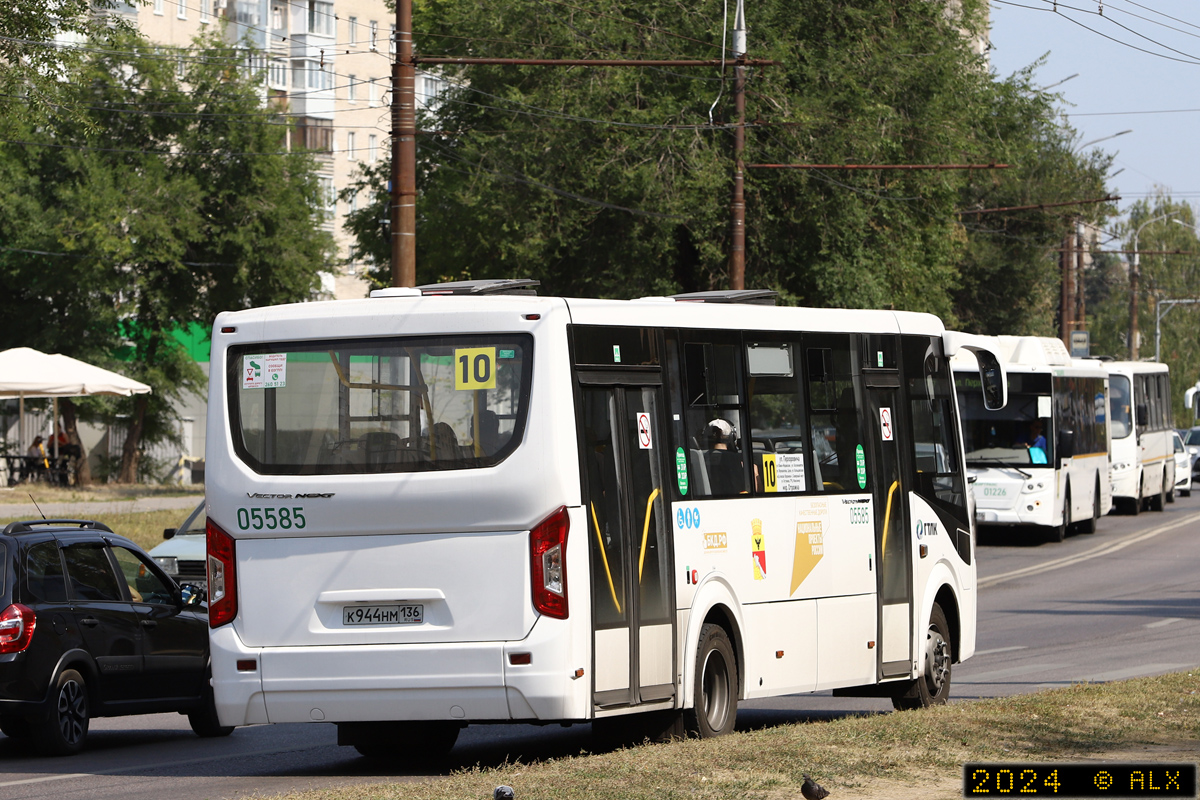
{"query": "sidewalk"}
pixel 89 509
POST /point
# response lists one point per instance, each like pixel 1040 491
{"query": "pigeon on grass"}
pixel 813 790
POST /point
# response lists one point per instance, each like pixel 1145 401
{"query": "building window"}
pixel 320 18
pixel 328 194
pixel 372 148
pixel 374 35
pixel 353 35
pixel 392 41
pixel 318 79
pixel 372 93
pixel 352 89
pixel 277 74
pixel 313 134
pixel 204 15
pixel 158 7
pixel 277 21
pixel 181 9
pixel 298 77
pixel 353 203
pixel 350 142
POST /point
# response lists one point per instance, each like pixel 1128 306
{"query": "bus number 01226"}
pixel 282 518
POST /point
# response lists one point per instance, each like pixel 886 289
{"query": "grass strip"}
pixel 901 755
pixel 143 527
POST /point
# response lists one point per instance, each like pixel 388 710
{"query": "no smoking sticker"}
pixel 886 430
pixel 645 441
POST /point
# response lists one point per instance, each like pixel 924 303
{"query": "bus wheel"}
pixel 933 687
pixel 416 743
pixel 1058 533
pixel 1135 507
pixel 714 689
pixel 1159 501
pixel 1089 526
pixel 1170 491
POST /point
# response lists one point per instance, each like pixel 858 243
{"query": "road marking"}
pixel 1163 622
pixel 979 653
pixel 1095 552
pixel 163 765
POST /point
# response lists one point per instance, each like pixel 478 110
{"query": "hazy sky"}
pixel 1115 80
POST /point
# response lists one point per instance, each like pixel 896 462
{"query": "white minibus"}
pixel 1042 460
pixel 465 503
pixel 1143 452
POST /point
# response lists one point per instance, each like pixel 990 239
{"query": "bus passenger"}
pixel 725 473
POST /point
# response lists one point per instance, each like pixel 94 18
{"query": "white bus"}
pixel 456 504
pixel 1143 452
pixel 1043 460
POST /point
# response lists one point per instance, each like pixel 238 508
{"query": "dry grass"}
pixel 917 754
pixel 145 528
pixel 109 492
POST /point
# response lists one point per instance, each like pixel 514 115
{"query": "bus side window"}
pixel 834 417
pixel 713 419
pixel 778 434
pixel 931 412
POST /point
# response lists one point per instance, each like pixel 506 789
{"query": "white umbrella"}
pixel 25 372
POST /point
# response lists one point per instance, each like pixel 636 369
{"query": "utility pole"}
pixel 1080 281
pixel 403 216
pixel 1067 295
pixel 737 245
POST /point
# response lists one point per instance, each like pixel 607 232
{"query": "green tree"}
pixel 614 181
pixel 1162 277
pixel 146 201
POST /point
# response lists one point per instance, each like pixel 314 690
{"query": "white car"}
pixel 1183 467
pixel 183 555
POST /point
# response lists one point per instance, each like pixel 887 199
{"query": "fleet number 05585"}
pixel 270 519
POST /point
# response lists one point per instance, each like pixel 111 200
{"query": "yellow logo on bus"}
pixel 810 548
pixel 758 551
pixel 475 368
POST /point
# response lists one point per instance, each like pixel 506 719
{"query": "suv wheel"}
pixel 63 730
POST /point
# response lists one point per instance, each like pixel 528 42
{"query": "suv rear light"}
pixel 547 551
pixel 16 628
pixel 222 576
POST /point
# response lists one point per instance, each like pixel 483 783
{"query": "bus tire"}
pixel 715 685
pixel 1159 501
pixel 204 721
pixel 932 688
pixel 1135 507
pixel 1171 490
pixel 1089 525
pixel 63 730
pixel 1058 533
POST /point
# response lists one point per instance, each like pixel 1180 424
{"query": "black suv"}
pixel 90 627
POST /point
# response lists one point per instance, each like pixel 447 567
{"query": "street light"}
pixel 1170 304
pixel 1103 139
pixel 1134 274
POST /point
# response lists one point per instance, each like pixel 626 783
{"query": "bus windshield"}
pixel 1120 402
pixel 366 406
pixel 1018 434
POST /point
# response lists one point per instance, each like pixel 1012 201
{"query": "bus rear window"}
pixel 368 406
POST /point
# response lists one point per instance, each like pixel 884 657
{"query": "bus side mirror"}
pixel 1066 443
pixel 995 389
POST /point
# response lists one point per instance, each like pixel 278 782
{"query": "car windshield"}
pixel 195 523
pixel 1193 436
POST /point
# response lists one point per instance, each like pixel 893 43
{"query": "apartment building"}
pixel 330 62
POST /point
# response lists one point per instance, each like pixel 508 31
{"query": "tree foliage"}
pixel 615 182
pixel 156 193
pixel 1161 224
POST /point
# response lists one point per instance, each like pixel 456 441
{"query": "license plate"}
pixel 413 614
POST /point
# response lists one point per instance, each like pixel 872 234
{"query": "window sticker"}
pixel 681 475
pixel 475 368
pixel 860 462
pixel 264 371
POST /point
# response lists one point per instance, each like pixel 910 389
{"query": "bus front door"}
pixel 633 651
pixel 891 530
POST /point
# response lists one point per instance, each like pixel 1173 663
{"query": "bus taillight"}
pixel 548 550
pixel 222 576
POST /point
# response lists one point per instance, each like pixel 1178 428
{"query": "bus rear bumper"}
pixel 466 682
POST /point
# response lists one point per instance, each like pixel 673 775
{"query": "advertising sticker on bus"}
pixel 264 371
